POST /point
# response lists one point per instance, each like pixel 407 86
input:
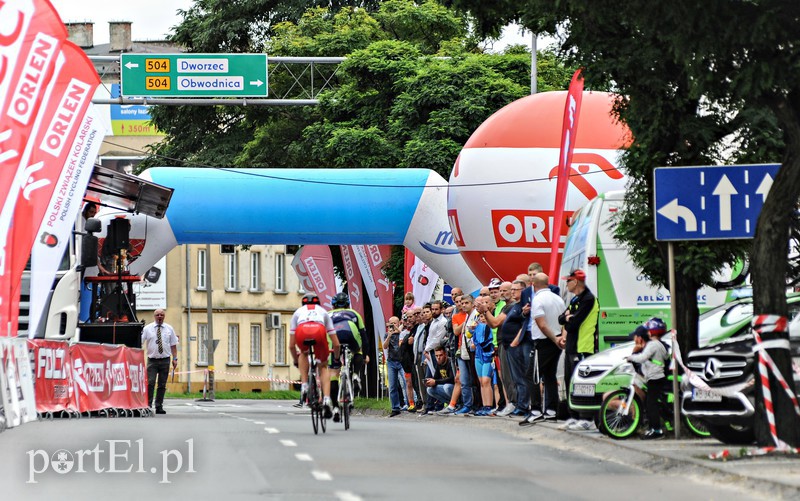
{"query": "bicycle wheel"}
pixel 313 402
pixel 345 401
pixel 696 426
pixel 618 420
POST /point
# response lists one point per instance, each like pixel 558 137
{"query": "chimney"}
pixel 120 36
pixel 81 34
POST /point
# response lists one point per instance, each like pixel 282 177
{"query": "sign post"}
pixel 193 75
pixel 706 203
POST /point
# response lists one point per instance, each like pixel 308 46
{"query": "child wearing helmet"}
pixel 653 357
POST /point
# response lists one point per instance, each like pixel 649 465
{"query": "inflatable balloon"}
pixel 502 188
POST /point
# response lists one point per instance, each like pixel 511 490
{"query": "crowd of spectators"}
pixel 491 355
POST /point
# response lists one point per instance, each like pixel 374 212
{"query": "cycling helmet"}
pixel 340 300
pixel 310 298
pixel 656 326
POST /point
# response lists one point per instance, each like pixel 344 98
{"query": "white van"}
pixel 626 297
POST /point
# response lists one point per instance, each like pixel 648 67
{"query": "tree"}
pixel 413 88
pixel 690 90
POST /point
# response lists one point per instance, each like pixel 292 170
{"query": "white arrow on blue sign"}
pixel 710 202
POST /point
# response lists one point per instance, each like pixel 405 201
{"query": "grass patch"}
pixel 241 395
pixel 360 403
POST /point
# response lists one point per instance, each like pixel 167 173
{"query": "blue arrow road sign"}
pixel 711 202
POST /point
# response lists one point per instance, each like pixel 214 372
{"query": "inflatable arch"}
pixel 304 206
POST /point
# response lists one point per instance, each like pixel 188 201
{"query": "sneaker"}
pixel 549 415
pixel 481 411
pixel 356 384
pixel 327 406
pixel 411 408
pixel 404 408
pixel 566 424
pixel 463 411
pixel 653 434
pixel 535 417
pixel 518 413
pixel 160 410
pixel 446 411
pixel 581 425
pixel 336 416
pixel 394 413
pixel 508 409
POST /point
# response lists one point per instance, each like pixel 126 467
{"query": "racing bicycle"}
pixel 345 396
pixel 314 394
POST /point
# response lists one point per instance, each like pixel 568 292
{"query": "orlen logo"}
pixel 585 161
pixel 315 275
pixel 530 229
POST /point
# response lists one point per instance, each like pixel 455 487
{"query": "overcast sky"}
pixel 152 19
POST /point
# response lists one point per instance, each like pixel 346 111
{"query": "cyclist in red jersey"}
pixel 311 321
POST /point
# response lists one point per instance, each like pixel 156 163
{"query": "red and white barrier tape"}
pixel 259 378
pixel 762 324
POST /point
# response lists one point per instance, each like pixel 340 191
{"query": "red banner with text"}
pixel 53 376
pixel 108 376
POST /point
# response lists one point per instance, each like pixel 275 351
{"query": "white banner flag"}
pixel 62 211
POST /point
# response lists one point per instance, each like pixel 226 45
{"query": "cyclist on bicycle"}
pixel 654 358
pixel 351 332
pixel 311 322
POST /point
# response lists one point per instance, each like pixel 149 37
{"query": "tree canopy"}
pixel 698 84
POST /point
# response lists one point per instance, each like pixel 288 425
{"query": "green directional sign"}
pixel 193 75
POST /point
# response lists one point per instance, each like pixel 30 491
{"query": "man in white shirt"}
pixel 160 342
pixel 545 329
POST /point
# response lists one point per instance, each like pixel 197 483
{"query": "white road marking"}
pixel 271 430
pixel 347 496
pixel 258 422
pixel 322 475
pixel 303 457
pixel 288 443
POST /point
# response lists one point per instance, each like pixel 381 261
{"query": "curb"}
pixel 630 453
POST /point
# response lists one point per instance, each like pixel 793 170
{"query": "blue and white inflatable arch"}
pixel 305 206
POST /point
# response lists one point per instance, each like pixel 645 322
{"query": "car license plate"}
pixel 583 390
pixel 705 396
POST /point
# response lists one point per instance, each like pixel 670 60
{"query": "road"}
pixel 243 449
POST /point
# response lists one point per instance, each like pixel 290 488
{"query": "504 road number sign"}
pixel 193 75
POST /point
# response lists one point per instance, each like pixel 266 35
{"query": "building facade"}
pixel 254 290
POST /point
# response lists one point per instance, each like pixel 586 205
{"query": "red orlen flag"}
pixel 353 276
pixel 314 265
pixel 66 101
pixel 568 134
pixel 30 40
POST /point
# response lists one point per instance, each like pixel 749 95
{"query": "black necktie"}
pixel 158 339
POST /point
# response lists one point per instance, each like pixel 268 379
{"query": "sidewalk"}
pixel 776 477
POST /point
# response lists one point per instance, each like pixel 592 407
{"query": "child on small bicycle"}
pixel 653 359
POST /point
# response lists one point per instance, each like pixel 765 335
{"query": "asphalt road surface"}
pixel 231 450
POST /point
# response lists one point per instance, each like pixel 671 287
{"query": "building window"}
pixel 233 343
pixel 255 271
pixel 280 345
pixel 201 269
pixel 202 343
pixel 280 272
pixel 255 343
pixel 232 271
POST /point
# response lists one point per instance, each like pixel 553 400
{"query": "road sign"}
pixel 711 202
pixel 193 75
